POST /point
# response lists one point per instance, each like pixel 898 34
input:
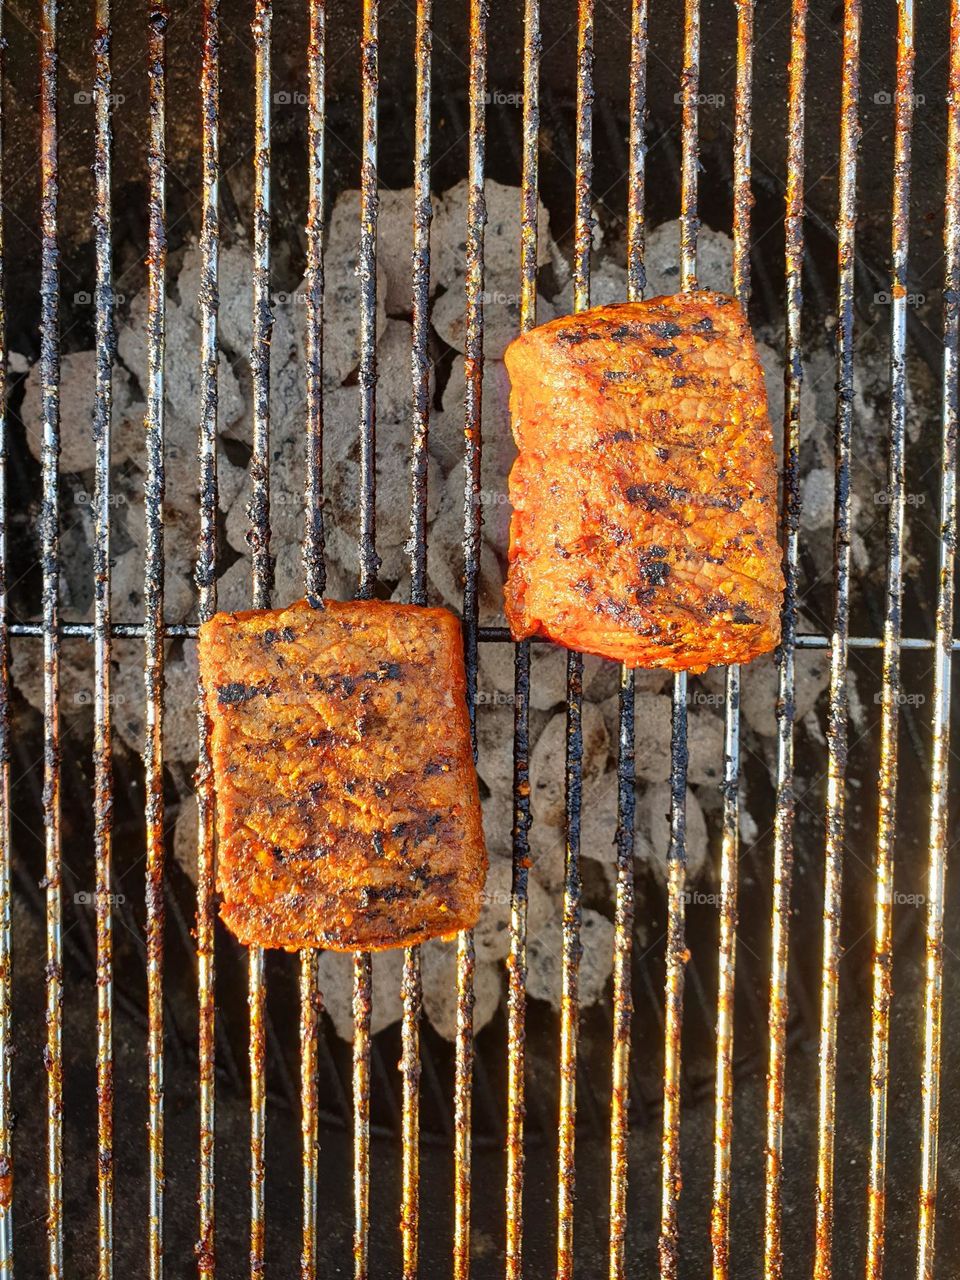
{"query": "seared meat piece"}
pixel 348 814
pixel 644 525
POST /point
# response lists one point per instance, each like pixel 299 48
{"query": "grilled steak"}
pixel 644 525
pixel 348 814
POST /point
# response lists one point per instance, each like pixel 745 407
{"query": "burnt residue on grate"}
pixel 421 102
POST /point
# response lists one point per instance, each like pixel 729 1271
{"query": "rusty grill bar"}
pixel 50 357
pixel 933 992
pixel 6 993
pixel 790 518
pixel 154 633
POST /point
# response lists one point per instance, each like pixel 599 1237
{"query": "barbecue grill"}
pixel 392 1137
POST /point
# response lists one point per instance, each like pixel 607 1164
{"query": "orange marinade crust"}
pixel 644 496
pixel 348 814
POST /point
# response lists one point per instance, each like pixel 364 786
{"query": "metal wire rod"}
pixel 890 705
pixel 103 771
pixel 50 539
pixel 517 959
pixel 730 845
pixel 6 950
pixel 670 1178
pixel 153 619
pixel 837 716
pixel 206 578
pixel 939 783
pixel 623 911
pixel 784 810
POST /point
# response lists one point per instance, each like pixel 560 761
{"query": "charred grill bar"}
pixel 154 633
pixel 50 358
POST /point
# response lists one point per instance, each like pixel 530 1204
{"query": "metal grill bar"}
pixel 730 848
pixel 485 635
pixel 153 618
pixel 314 566
pixel 472 444
pixel 939 805
pixel 206 577
pixel 50 538
pixel 314 573
pixel 6 955
pixel 571 946
pixel 624 908
pixel 411 986
pixel 362 1010
pixel 786 683
pixel 517 959
pixel 622 993
pixel 367 272
pixel 259 538
pixel 103 772
pixel 670 1175
pixel 889 722
pixel 838 713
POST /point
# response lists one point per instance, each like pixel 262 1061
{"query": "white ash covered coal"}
pixel 439 970
pixel 336 982
pixel 445 559
pixel 545 953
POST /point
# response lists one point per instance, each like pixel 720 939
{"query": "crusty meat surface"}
pixel 348 814
pixel 644 522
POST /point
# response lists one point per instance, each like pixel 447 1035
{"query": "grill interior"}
pixel 624 117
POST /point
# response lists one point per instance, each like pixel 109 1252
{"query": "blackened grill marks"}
pixel 656 572
pixel 271 636
pixel 573 337
pixel 646 495
pixel 665 329
pixel 334 684
pixel 741 617
pixel 236 693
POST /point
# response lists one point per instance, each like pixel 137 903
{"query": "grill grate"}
pixel 627 1089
